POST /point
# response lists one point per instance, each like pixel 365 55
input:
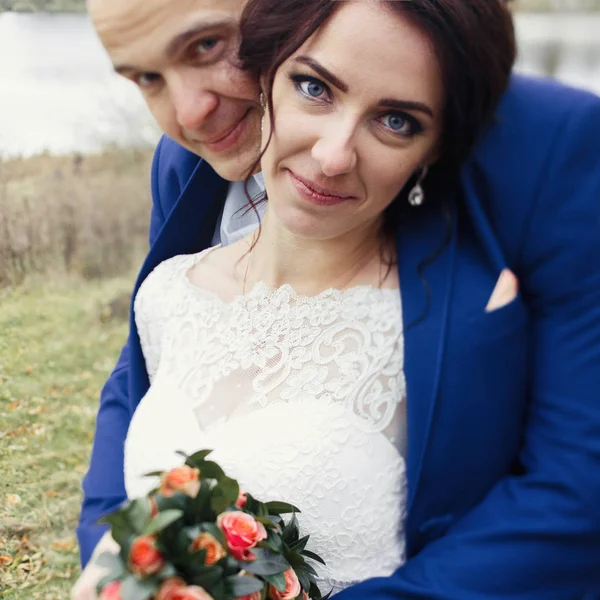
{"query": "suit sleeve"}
pixel 103 485
pixel 536 536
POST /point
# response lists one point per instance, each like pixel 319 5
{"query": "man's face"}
pixel 183 56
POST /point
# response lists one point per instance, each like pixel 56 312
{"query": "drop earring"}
pixel 416 196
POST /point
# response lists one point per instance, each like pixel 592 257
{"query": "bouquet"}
pixel 199 537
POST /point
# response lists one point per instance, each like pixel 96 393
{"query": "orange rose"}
pixel 242 532
pixel 169 588
pixel 192 592
pixel 111 591
pixel 214 551
pixel 180 479
pixel 292 587
pixel 144 557
pixel 255 596
pixel 241 500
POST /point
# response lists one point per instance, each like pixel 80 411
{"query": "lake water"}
pixel 58 92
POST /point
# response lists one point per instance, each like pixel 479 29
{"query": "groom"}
pixel 182 56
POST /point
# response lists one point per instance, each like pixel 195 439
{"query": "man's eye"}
pixel 205 46
pixel 146 80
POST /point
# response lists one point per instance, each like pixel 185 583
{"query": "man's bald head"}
pixel 183 57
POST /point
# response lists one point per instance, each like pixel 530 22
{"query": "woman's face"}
pixel 358 110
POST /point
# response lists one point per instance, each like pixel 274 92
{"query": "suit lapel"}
pixel 188 229
pixel 425 289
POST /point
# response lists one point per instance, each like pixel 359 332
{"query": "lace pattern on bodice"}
pixel 274 346
pixel 301 398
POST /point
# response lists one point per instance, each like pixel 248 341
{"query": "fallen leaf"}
pixel 28 370
pixel 14 405
pixel 36 411
pixel 13 499
pixel 6 560
pixel 63 546
pixel 51 494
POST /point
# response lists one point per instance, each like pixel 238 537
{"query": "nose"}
pixel 335 151
pixel 192 106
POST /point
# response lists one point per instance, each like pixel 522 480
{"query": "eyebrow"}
pixel 406 105
pixel 384 103
pixel 178 42
pixel 323 72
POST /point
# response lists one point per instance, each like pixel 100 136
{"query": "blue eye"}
pixel 311 88
pixel 206 45
pixel 397 123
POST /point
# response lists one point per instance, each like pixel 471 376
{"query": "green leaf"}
pixel 154 474
pixel 273 542
pixel 197 458
pixel 281 508
pixel 168 571
pixel 211 470
pixel 303 578
pixel 139 514
pixel 300 544
pixel 306 568
pixel 177 501
pixel 312 555
pixel 163 520
pixel 230 488
pixel 266 563
pixel 120 526
pixel 112 562
pixel 201 501
pixel 277 581
pixel 290 531
pixel 138 589
pixel 241 585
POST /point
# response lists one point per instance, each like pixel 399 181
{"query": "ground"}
pixel 58 344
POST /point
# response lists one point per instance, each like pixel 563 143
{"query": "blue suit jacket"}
pixel 503 407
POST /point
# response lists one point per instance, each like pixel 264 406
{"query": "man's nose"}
pixel 335 151
pixel 192 105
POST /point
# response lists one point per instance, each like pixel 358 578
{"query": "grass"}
pixel 56 350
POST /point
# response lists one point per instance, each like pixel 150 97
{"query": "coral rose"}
pixel 169 588
pixel 214 551
pixel 242 532
pixel 292 587
pixel 180 479
pixel 144 557
pixel 241 499
pixel 192 592
pixel 255 596
pixel 111 591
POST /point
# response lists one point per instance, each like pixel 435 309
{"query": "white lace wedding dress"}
pixel 301 398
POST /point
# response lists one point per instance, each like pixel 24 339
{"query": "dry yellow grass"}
pixel 84 215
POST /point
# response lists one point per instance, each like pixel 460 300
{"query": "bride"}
pixel 283 352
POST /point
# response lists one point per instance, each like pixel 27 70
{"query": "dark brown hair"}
pixel 474 42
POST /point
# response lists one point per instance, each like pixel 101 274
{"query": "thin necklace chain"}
pixel 346 283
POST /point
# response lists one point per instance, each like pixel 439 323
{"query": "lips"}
pixel 318 194
pixel 227 139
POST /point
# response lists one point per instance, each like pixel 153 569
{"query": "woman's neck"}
pixel 311 266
